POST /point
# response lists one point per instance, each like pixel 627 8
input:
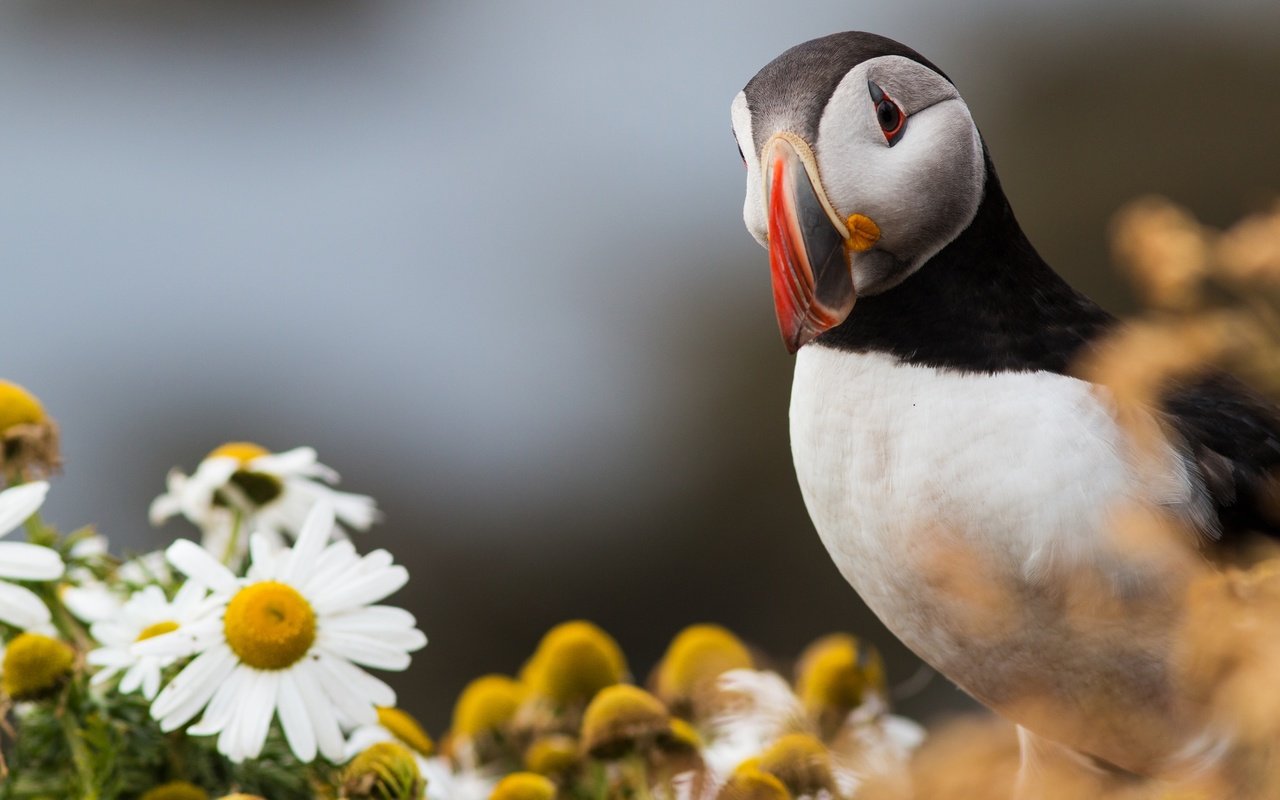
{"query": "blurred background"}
pixel 488 259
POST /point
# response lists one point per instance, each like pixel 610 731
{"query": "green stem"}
pixel 79 756
pixel 236 521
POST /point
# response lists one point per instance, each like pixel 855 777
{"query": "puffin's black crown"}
pixel 797 84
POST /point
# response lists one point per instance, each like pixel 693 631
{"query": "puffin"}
pixel 964 479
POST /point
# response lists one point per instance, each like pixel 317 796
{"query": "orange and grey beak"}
pixel 809 247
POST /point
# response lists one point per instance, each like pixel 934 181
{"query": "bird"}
pixel 964 479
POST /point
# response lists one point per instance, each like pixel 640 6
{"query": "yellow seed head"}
pixel 695 658
pixel 749 782
pixel 175 790
pixel 28 436
pixel 383 771
pixel 683 736
pixel 835 672
pixel 157 629
pixel 801 762
pixel 18 407
pixel 524 786
pixel 573 662
pixel 486 705
pixel 407 729
pixel 269 625
pixel 552 754
pixel 243 452
pixel 622 718
pixel 35 666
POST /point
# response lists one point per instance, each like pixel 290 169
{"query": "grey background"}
pixel 488 259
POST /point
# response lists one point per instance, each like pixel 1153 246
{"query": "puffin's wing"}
pixel 1233 436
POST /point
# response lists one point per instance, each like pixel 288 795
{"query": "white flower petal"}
pixel 342 673
pixel 301 561
pixel 132 680
pixel 290 462
pixel 295 721
pixel 223 705
pixel 196 562
pixel 29 562
pixel 366 650
pixel 191 688
pixel 188 639
pixel 21 608
pixel 319 708
pixel 357 510
pixel 150 677
pixel 19 503
pixel 369 588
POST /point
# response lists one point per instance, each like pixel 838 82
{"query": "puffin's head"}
pixel 862 163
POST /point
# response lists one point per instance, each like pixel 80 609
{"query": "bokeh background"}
pixel 487 258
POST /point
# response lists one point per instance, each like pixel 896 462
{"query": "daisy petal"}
pixel 29 562
pixel 369 588
pixel 222 705
pixel 352 679
pixel 21 608
pixel 319 708
pixel 301 561
pixel 191 688
pixel 19 503
pixel 296 721
pixel 199 564
pixel 366 650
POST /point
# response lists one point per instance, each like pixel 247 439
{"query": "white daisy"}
pixel 19 606
pixel 284 641
pixel 242 486
pixel 146 614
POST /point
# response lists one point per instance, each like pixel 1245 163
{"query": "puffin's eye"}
pixel 888 114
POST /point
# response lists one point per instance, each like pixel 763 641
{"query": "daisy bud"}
pixel 175 790
pixel 683 736
pixel 554 754
pixel 28 436
pixel 485 706
pixel 35 666
pixel 686 675
pixel 834 675
pixel 524 786
pixel 406 729
pixel 383 771
pixel 749 782
pixel 802 763
pixel 573 662
pixel 621 719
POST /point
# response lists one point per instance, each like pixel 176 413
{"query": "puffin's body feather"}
pixel 963 480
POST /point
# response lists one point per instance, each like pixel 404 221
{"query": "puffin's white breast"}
pixel 957 503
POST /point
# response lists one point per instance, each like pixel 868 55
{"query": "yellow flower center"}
pixel 524 786
pixel 802 763
pixel 175 790
pixel 697 656
pixel 749 782
pixel 551 754
pixel 156 629
pixel 269 625
pixel 835 672
pixel 406 729
pixel 34 666
pixel 18 407
pixel 243 452
pixel 385 771
pixel 486 705
pixel 573 662
pixel 621 718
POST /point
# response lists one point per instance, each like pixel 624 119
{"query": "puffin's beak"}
pixel 808 251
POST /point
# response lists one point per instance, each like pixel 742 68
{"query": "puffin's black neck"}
pixel 986 302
